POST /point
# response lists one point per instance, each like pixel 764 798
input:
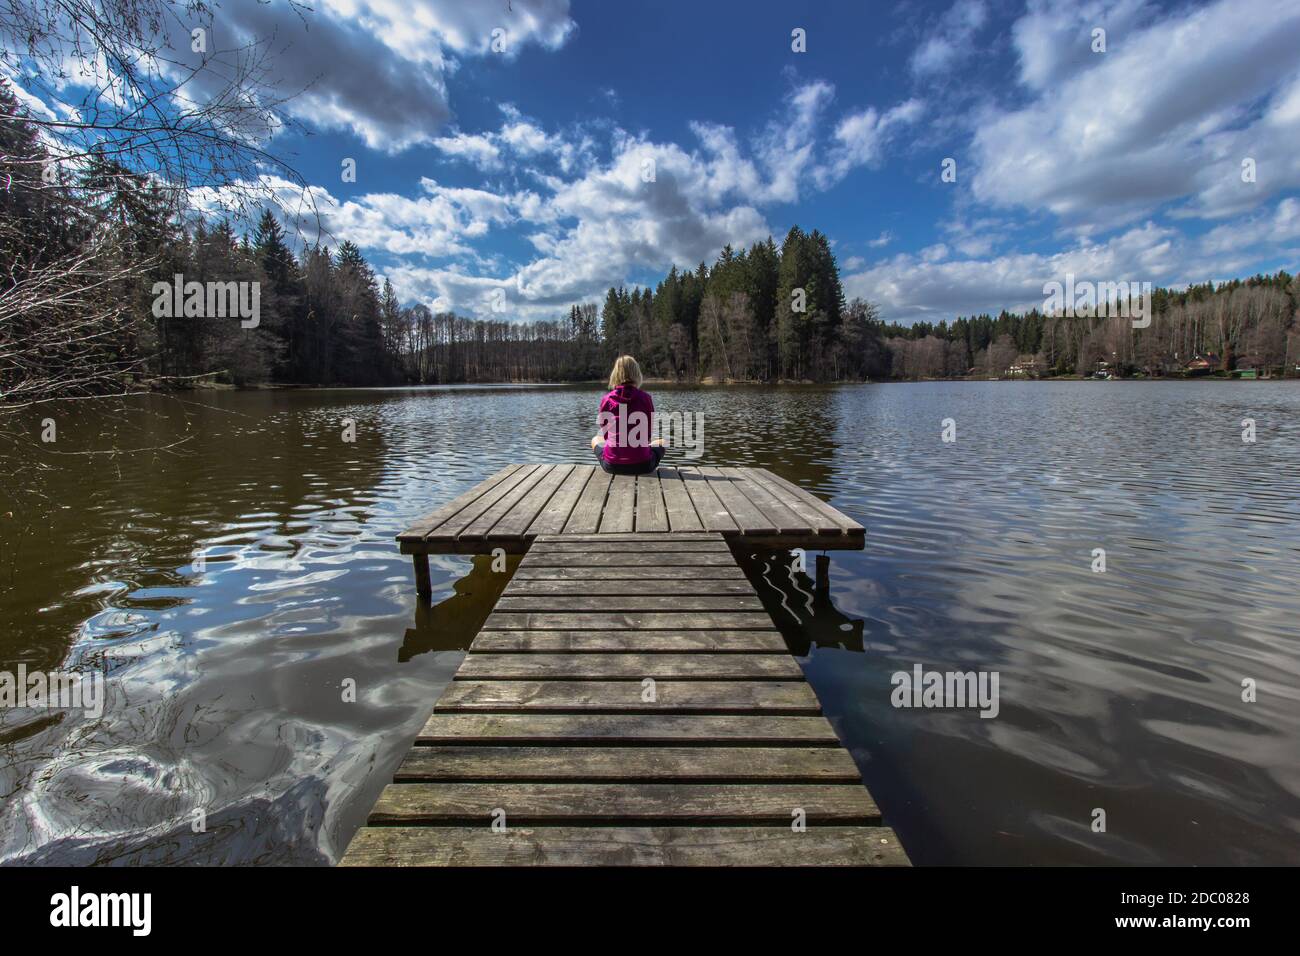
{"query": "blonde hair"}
pixel 626 371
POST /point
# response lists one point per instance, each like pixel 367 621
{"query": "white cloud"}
pixel 1283 225
pixel 1165 114
pixel 476 149
pixel 1053 40
pixel 599 223
pixel 912 288
pixel 953 39
pixel 860 139
pixel 442 221
pixel 377 68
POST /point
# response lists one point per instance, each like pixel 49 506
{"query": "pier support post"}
pixel 423 586
pixel 824 574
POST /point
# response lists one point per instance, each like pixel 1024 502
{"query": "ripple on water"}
pixel 228 682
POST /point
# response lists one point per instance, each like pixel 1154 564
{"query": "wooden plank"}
pixel 629 764
pixel 747 517
pixel 517 520
pixel 625 846
pixel 629 666
pixel 711 573
pixel 599 642
pixel 477 530
pixel 835 517
pixel 647 536
pixel 784 518
pixel 620 506
pixel 681 512
pixel 598 585
pixel 628 804
pixel 627 602
pixel 663 559
pixel 814 518
pixel 453 526
pixel 426 524
pixel 631 621
pixel 624 546
pixel 644 729
pixel 711 511
pixel 651 515
pixel 585 518
pixel 552 518
pixel 714 697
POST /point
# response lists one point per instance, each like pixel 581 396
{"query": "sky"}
pixel 502 147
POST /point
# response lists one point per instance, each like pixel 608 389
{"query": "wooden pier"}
pixel 628 701
pixel 509 510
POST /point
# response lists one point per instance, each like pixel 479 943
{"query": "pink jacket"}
pixel 625 420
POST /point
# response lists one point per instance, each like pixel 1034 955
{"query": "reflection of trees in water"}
pixel 132 488
pixel 790 430
pixel 450 625
pixel 801 607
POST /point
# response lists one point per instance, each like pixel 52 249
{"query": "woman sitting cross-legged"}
pixel 626 420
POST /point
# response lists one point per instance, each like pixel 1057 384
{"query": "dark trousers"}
pixel 642 469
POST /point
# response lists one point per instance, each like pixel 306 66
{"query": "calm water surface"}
pixel 1120 691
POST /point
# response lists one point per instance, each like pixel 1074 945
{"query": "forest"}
pixel 83 254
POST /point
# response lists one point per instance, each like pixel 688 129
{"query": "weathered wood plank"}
pixel 631 621
pixel 651 515
pixel 711 573
pixel 451 529
pixel 627 602
pixel 629 804
pixel 747 517
pixel 478 529
pixel 598 585
pixel 711 511
pixel 715 697
pixel 629 667
pixel 629 764
pixel 620 506
pixel 517 520
pixel 648 642
pixel 585 517
pixel 812 517
pixel 681 512
pixel 625 846
pixel 647 558
pixel 629 546
pixel 834 516
pixel 553 517
pixel 785 519
pixel 648 536
pixel 642 729
pixel 426 524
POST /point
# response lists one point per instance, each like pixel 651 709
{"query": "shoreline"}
pixel 709 383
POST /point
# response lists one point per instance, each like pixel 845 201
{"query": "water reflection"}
pixel 801 606
pixel 450 625
pixel 226 682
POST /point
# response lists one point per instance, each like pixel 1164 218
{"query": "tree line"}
pixel 85 248
pixel 1243 323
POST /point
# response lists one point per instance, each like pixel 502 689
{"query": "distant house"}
pixel 1025 367
pixel 1201 364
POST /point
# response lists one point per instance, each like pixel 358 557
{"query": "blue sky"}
pixel 517 173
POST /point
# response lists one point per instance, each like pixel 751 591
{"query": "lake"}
pixel 232 571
